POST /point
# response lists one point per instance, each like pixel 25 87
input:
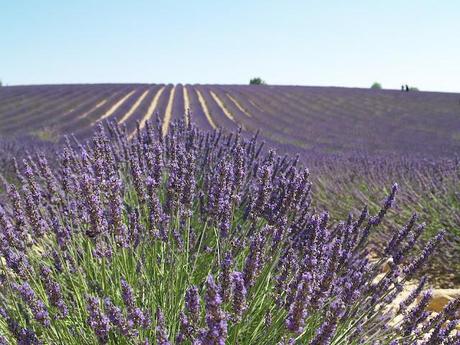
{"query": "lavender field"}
pixel 319 119
pixel 228 214
pixel 356 142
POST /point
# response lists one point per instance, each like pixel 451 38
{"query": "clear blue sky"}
pixel 340 43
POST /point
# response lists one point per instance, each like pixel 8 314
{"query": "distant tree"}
pixel 1 83
pixel 257 81
pixel 413 88
pixel 376 86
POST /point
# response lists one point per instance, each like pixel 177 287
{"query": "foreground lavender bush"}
pixel 431 188
pixel 196 238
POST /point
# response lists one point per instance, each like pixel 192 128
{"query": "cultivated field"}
pixel 356 142
pixel 319 119
pixel 176 222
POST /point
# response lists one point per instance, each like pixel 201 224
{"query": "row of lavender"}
pixel 428 188
pixel 344 183
pixel 342 120
pixel 308 118
pixel 199 238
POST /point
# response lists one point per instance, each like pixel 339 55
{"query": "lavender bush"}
pixel 197 238
pixel 430 188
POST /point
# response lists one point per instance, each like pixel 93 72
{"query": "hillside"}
pixel 324 119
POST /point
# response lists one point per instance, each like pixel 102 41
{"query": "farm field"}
pixel 310 119
pixel 356 142
pixel 372 175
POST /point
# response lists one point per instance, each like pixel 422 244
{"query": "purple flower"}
pixel 186 330
pixel 31 182
pixel 97 320
pixel 416 315
pixel 264 186
pixel 118 320
pixel 23 336
pixel 412 296
pixel 192 304
pixel 138 179
pixel 239 295
pixel 98 222
pixel 127 295
pixel 415 265
pixel 20 230
pixel 117 226
pixel 36 305
pixel 33 214
pixel 399 236
pixel 161 333
pixel 50 179
pixel 297 311
pixel 17 261
pixel 253 261
pixel 62 232
pixel 135 314
pixel 326 331
pixel 53 291
pixel 225 276
pixel 216 332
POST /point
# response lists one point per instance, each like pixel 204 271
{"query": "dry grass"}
pixel 205 109
pixel 168 112
pixel 134 107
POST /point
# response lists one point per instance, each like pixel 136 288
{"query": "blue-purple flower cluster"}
pixel 199 238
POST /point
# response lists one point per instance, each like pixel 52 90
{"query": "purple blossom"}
pixel 98 223
pixel 97 320
pixel 53 291
pixel 239 295
pixel 117 226
pixel 297 311
pixel 216 320
pixel 118 320
pixel 36 305
pixel 412 296
pixel 23 336
pixel 192 304
pixel 253 262
pixel 326 331
pixel 224 278
pixel 127 294
pixel 427 251
pixel 191 202
pixel 416 315
pixel 186 330
pixel 161 332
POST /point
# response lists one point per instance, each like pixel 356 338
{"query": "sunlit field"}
pixel 228 214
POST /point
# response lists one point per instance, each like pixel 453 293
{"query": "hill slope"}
pixel 325 119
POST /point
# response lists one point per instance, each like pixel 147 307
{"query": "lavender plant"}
pixel 429 188
pixel 196 238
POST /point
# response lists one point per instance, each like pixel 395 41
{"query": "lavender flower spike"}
pixel 192 304
pixel 97 320
pixel 239 295
pixel 36 305
pixel 216 320
pixel 161 333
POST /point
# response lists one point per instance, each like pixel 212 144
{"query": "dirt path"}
pixel 221 105
pixel 186 105
pixel 150 111
pixel 168 112
pixel 100 104
pixel 134 107
pixel 238 105
pixel 114 107
pixel 205 109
